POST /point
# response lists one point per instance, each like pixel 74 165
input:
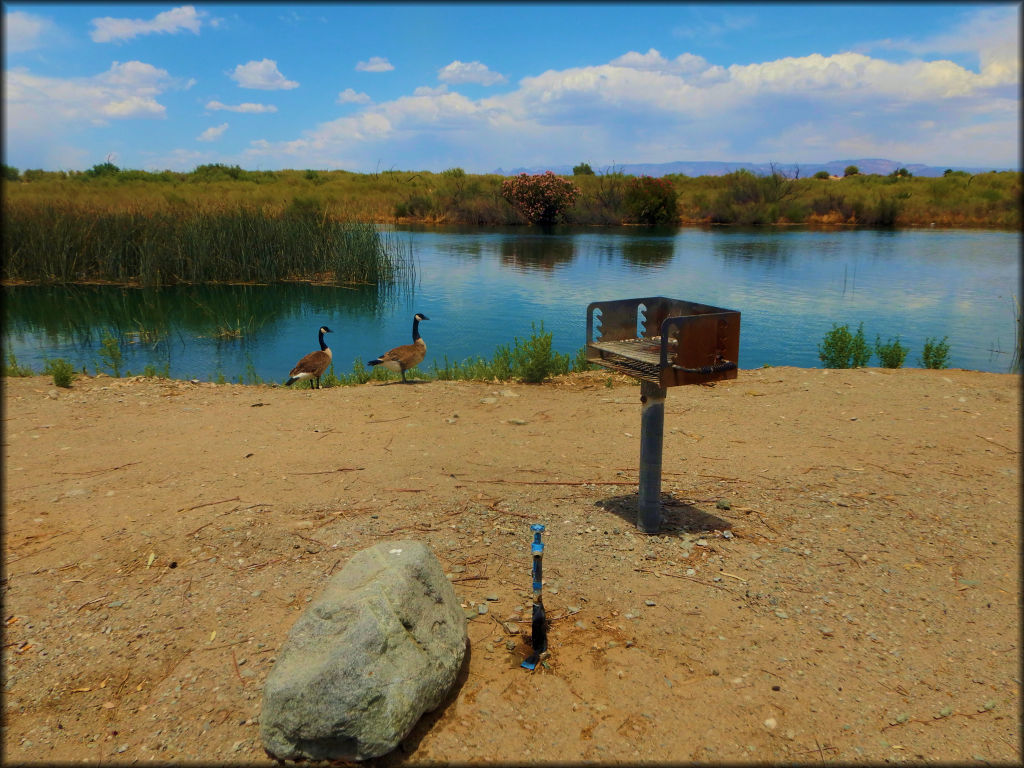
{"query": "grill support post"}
pixel 652 432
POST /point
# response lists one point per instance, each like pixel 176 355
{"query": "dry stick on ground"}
pixel 555 482
pixel 936 719
pixel 894 471
pixel 98 599
pixel 331 471
pixel 208 504
pixel 1006 447
pixel 238 672
pixel 92 472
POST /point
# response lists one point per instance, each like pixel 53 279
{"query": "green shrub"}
pixel 583 169
pixel 580 362
pixel 822 175
pixel 652 201
pixel 110 353
pixel 841 349
pixel 62 371
pixel 102 170
pixel 851 170
pixel 892 353
pixel 533 360
pixel 12 368
pixel 150 371
pixel 936 353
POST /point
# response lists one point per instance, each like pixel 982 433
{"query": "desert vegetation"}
pixel 957 199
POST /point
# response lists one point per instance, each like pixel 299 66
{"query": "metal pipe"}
pixel 539 624
pixel 652 431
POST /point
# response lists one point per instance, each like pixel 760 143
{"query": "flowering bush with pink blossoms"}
pixel 543 198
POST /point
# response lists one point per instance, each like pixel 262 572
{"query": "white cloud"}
pixel 125 90
pixel 426 90
pixel 246 107
pixel 262 75
pixel 992 34
pixel 349 96
pixel 24 31
pixel 652 61
pixel 649 108
pixel 44 113
pixel 212 133
pixel 375 64
pixel 469 72
pixel 186 17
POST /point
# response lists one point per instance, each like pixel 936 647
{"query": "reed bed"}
pixel 453 197
pixel 65 242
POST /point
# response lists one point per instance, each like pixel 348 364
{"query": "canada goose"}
pixel 400 359
pixel 313 365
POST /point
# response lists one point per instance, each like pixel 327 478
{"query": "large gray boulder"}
pixel 381 645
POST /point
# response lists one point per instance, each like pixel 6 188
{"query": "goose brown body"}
pixel 400 359
pixel 313 365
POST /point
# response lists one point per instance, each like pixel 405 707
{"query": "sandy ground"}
pixel 837 578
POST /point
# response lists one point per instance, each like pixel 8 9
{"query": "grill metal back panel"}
pixel 668 342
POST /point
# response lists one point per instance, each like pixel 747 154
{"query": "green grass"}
pixel 530 360
pixel 62 242
pixel 216 206
pixel 13 368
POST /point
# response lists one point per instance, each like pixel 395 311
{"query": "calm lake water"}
pixel 482 288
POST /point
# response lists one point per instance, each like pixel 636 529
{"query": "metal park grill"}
pixel 663 343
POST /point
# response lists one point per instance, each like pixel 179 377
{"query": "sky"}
pixel 422 86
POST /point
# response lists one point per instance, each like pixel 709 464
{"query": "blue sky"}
pixel 420 86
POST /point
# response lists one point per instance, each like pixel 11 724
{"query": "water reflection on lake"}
pixel 481 288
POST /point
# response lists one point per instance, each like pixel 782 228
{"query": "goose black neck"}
pixel 322 344
pixel 415 329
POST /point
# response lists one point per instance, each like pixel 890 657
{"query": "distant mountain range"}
pixel 718 168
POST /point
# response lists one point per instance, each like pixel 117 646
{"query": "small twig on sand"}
pixel 238 672
pixel 91 472
pixel 208 504
pixel 555 482
pixel 197 530
pixel 98 599
pixel 1005 447
pixel 331 471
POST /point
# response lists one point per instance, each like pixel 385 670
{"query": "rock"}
pixel 381 645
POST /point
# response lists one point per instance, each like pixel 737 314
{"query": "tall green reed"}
pixel 65 242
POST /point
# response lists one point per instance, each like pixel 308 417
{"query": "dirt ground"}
pixel 837 578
